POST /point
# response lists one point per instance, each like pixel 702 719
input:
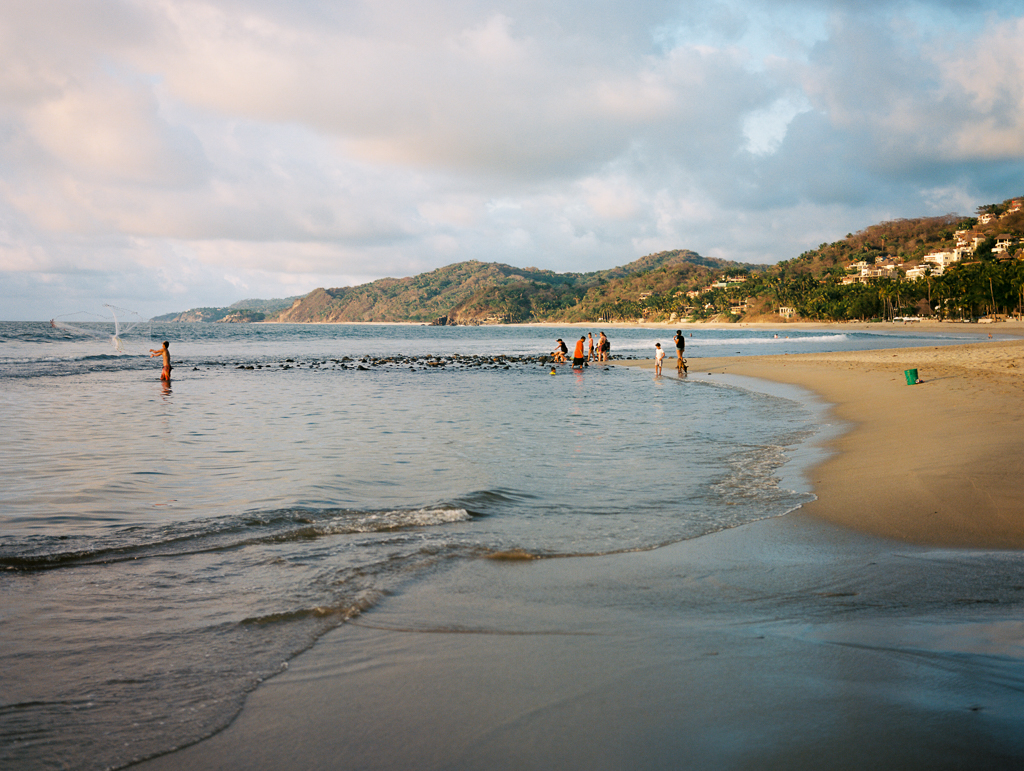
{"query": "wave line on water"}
pixel 469 630
pixel 191 538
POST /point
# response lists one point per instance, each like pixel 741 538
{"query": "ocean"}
pixel 165 549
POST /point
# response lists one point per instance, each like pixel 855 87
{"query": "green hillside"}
pixel 479 292
pixel 244 310
pixel 950 266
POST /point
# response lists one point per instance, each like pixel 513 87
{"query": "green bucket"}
pixel 911 375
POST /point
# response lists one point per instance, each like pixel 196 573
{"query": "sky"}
pixel 160 155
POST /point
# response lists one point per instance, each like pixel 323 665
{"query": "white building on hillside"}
pixel 920 271
pixel 1003 244
pixel 943 259
pixel 866 272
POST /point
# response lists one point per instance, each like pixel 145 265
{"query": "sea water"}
pixel 164 549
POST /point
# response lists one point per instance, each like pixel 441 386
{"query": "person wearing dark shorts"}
pixel 579 356
pixel 680 339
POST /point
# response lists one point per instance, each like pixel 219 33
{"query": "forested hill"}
pixel 907 240
pixel 950 266
pixel 477 292
pixel 243 310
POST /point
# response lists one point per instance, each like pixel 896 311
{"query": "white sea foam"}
pixel 398 519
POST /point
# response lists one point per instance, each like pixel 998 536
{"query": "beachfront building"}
pixel 786 312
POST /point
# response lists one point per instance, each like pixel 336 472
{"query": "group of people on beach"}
pixel 659 354
pixel 587 350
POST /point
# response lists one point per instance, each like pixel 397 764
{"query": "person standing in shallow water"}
pixel 590 345
pixel 166 352
pixel 578 356
pixel 659 357
pixel 680 340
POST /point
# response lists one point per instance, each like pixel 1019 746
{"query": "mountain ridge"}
pixel 881 269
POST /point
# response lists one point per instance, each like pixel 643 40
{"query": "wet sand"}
pixel 801 642
pixel 940 462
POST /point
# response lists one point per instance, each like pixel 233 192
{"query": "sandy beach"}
pixel 939 462
pixel 879 627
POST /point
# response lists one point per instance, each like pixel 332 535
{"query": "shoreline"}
pixel 770 645
pixel 1001 328
pixel 936 463
pixel 760 646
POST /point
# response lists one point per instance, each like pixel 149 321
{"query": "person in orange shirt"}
pixel 579 356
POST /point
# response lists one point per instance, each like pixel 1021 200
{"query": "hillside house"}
pixel 1004 243
pixel 786 312
pixel 865 272
pixel 967 241
pixel 943 259
pixel 920 271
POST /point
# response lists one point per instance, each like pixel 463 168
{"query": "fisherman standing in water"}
pixel 680 340
pixel 166 374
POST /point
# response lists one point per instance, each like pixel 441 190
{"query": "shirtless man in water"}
pixel 166 374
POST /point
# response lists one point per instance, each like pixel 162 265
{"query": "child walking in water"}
pixel 659 357
pixel 165 351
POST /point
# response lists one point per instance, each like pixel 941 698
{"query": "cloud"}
pixel 187 150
